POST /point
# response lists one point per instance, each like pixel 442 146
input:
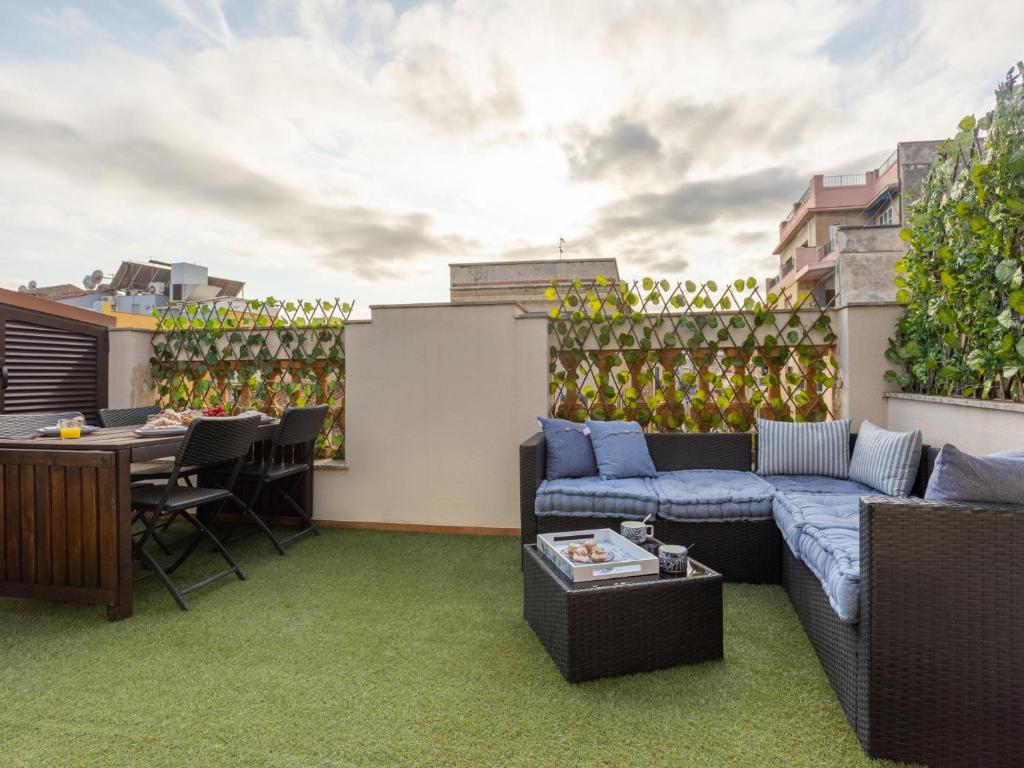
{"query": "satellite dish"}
pixel 97 276
pixel 88 282
pixel 32 285
pixel 22 288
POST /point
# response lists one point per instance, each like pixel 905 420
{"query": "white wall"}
pixel 129 381
pixel 974 426
pixel 438 398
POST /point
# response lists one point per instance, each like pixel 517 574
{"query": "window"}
pixel 885 218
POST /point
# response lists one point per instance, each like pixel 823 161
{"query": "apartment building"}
pixel 841 237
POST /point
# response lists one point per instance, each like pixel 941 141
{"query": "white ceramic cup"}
pixel 636 531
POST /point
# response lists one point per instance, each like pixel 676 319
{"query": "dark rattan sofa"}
pixel 933 670
pixel 741 550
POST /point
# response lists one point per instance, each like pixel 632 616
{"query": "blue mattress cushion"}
pixel 713 494
pixel 817 484
pixel 792 511
pixel 833 555
pixel 632 498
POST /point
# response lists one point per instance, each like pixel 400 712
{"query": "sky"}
pixel 355 148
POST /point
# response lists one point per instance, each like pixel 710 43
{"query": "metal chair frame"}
pixel 298 427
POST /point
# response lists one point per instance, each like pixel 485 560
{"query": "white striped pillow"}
pixel 811 448
pixel 887 461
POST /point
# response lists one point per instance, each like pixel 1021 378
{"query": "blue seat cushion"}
pixel 817 484
pixel 712 494
pixel 833 555
pixel 792 511
pixel 631 498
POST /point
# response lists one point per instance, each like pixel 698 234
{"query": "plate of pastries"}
pixel 588 552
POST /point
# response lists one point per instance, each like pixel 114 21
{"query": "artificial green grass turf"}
pixel 379 649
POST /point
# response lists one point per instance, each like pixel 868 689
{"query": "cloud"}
pixel 694 203
pixel 436 87
pixel 623 146
pixel 358 237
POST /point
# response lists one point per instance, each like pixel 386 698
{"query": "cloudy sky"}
pixel 354 148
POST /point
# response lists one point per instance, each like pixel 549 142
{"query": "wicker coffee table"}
pixel 617 627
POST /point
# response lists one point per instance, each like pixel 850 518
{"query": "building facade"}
pixel 523 282
pixel 841 238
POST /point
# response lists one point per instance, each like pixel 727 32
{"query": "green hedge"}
pixel 963 276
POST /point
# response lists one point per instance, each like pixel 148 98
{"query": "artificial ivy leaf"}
pixel 1016 301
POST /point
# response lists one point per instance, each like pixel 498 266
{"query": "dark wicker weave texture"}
pixel 218 439
pixel 25 424
pixel 300 426
pixel 127 417
pixel 942 612
pixel 602 629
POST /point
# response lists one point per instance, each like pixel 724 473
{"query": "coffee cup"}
pixel 673 558
pixel 636 531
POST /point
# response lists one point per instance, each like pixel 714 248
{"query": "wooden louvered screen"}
pixel 53 364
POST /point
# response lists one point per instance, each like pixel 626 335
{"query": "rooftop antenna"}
pixel 561 246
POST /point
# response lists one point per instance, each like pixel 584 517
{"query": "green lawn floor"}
pixel 379 649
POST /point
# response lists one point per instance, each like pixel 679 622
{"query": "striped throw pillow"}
pixel 887 461
pixel 812 448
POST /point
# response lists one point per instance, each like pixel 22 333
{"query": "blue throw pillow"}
pixel 959 476
pixel 569 452
pixel 621 449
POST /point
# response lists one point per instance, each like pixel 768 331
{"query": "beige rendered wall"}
pixel 866 259
pixel 974 426
pixel 438 398
pixel 129 382
pixel 863 333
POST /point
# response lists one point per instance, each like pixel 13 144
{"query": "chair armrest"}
pixel 532 470
pixel 942 627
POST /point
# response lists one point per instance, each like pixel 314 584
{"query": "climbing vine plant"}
pixel 688 356
pixel 963 276
pixel 258 354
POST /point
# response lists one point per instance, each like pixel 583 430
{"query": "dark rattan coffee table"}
pixel 617 627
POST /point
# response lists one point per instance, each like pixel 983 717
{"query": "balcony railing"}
pixel 845 180
pixel 889 161
pixel 786 269
pixel 796 206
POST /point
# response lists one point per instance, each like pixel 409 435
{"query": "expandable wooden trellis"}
pixel 687 356
pixel 265 355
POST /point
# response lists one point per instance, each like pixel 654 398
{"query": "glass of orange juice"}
pixel 70 429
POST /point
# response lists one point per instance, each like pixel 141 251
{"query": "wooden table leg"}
pixel 122 607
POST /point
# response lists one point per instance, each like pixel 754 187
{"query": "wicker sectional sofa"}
pixel 932 668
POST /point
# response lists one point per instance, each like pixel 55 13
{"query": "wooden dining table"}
pixel 66 514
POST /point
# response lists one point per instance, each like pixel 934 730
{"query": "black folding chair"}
pixel 25 424
pixel 221 442
pixel 297 432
